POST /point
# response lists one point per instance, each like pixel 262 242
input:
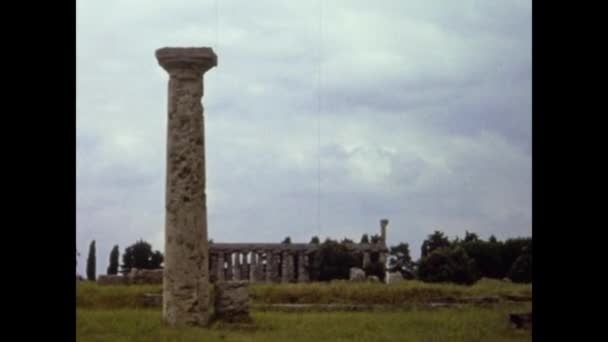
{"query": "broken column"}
pixel 186 275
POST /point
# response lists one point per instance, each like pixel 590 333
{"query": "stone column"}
pixel 287 267
pixel 268 267
pixel 245 266
pixel 212 267
pixel 186 274
pixel 237 266
pixel 275 262
pixel 302 268
pixel 366 259
pixel 253 266
pixel 221 273
pixel 383 224
pixel 229 266
pixel 259 269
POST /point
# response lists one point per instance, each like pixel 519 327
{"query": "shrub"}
pixel 447 264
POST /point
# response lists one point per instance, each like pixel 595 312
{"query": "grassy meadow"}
pixel 115 313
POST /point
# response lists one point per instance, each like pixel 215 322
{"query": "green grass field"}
pixel 114 313
pixel 91 295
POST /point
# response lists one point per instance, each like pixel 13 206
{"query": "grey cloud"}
pixel 425 119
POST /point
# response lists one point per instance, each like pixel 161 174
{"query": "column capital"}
pixel 186 62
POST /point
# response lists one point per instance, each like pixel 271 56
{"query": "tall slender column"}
pixel 186 274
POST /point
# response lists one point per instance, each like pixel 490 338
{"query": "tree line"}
pixel 461 261
pixel 138 255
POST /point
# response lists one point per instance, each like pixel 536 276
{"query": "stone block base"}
pixel 232 302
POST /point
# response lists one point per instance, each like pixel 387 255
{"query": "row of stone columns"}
pixel 260 266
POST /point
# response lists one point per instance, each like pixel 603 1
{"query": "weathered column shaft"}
pixel 366 259
pixel 259 269
pixel 186 270
pixel 221 273
pixel 237 266
pixel 268 267
pixel 253 267
pixel 245 266
pixel 229 266
pixel 302 268
pixel 276 264
pixel 212 267
pixel 287 267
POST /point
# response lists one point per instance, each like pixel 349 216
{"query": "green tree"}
pixel 433 242
pixel 375 268
pixel 156 260
pixel 113 266
pixel 315 240
pixel 140 256
pixel 512 249
pixel 287 240
pixel 332 260
pixel 347 240
pixel 364 238
pixel 448 264
pixel 470 237
pixel 376 238
pixel 91 274
pixel 521 271
pixel 401 261
pixel 487 255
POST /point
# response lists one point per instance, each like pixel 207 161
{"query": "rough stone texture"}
pixel 245 267
pixel 142 276
pixel 393 277
pixel 232 301
pixel 254 267
pixel 357 274
pixel 275 263
pixel 366 259
pixel 287 267
pixel 112 280
pixel 229 266
pixel 221 273
pixel 237 266
pixel 213 268
pixel 302 268
pixel 383 224
pixel 186 276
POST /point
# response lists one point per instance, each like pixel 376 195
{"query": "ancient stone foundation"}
pixel 135 277
pixel 232 302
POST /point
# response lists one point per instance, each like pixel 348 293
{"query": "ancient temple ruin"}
pixel 279 262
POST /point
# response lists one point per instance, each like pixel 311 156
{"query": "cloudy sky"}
pixel 416 111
